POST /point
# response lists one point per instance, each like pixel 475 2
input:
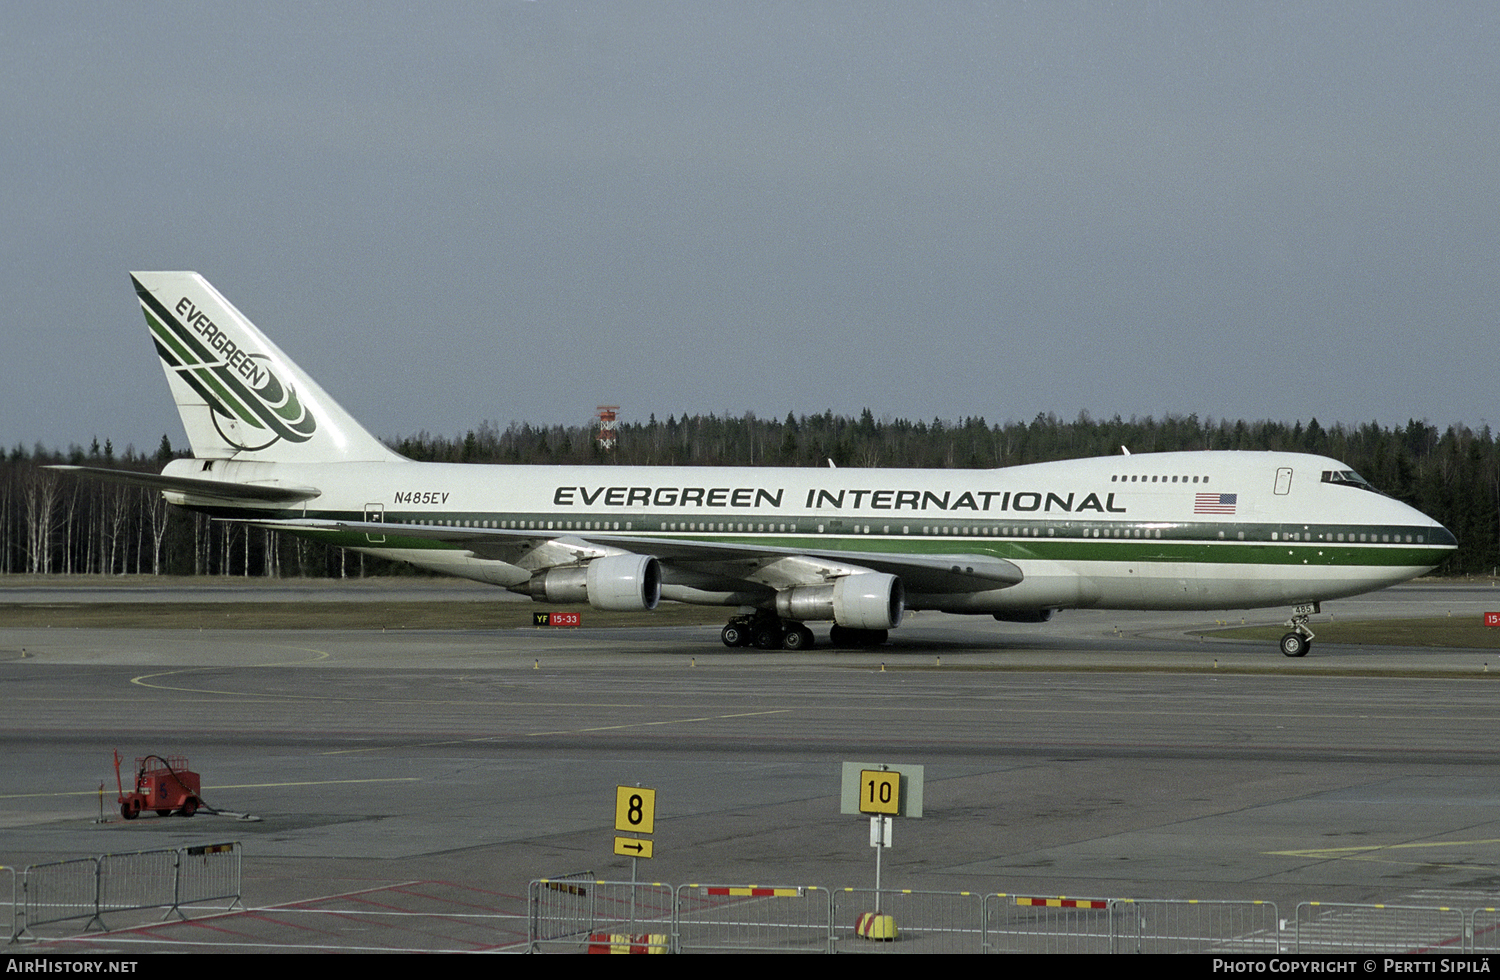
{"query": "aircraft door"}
pixel 1283 480
pixel 375 514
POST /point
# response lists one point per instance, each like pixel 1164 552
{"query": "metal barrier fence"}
pixel 604 916
pixel 920 922
pixel 759 918
pixel 59 891
pixel 209 873
pixel 15 910
pixel 559 909
pixel 86 888
pixel 1347 928
pixel 1188 926
pixel 601 914
pixel 1034 924
pixel 138 880
pixel 1484 931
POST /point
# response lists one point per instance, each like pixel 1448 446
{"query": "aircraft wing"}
pixel 768 565
pixel 784 567
pixel 216 489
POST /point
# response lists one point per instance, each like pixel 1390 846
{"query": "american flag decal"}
pixel 1215 503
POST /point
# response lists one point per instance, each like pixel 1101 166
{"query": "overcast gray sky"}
pixel 452 212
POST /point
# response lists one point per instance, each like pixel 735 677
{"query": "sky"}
pixel 514 211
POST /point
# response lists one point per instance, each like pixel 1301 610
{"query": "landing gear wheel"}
pixel 189 806
pixel 130 809
pixel 768 638
pixel 1295 645
pixel 798 637
pixel 735 635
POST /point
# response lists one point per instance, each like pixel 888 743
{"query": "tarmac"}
pixel 406 786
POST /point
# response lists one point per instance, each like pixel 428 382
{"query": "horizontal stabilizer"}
pixel 219 489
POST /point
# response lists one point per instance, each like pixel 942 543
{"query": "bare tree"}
pixel 41 490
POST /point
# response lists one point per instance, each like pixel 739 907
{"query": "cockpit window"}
pixel 1348 478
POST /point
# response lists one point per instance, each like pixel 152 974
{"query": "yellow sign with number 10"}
pixel 879 791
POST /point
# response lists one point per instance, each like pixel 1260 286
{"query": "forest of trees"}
pixel 54 523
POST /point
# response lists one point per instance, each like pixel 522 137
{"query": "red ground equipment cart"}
pixel 163 785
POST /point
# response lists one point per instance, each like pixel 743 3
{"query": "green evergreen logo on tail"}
pixel 239 385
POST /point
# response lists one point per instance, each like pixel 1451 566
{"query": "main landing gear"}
pixel 1299 640
pixel 769 632
pixel 766 632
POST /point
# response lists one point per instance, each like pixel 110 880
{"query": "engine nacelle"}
pixel 623 583
pixel 1026 616
pixel 868 601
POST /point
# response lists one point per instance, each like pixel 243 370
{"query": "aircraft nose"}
pixel 1437 536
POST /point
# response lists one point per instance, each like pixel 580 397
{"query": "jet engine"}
pixel 622 583
pixel 867 601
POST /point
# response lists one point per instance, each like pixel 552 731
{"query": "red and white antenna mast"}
pixel 608 426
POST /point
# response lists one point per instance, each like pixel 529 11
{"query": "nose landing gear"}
pixel 1299 640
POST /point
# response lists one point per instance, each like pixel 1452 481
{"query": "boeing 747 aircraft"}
pixel 786 547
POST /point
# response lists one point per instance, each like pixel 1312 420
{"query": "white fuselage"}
pixel 1196 530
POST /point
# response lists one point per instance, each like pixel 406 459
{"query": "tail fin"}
pixel 239 396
